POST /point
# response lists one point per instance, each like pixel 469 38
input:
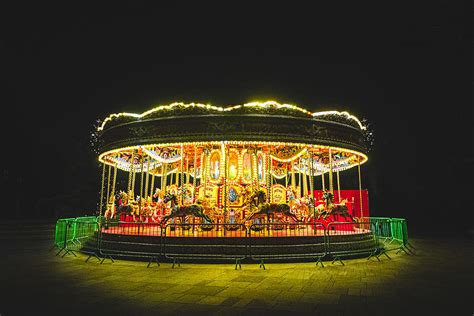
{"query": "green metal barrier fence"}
pixel 82 228
pixel 64 232
pixel 85 234
pixel 71 233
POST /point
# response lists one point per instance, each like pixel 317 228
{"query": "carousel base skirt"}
pixel 291 243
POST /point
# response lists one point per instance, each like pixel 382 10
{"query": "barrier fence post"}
pixel 95 232
pixel 101 253
pixel 65 248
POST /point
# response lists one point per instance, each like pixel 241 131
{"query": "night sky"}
pixel 405 68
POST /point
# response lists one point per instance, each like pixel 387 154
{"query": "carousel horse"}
pixel 209 208
pixel 342 210
pixel 269 209
pixel 156 209
pixel 122 203
pixel 301 206
pixel 333 209
pixel 182 211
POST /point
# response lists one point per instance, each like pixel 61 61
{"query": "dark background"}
pixel 404 67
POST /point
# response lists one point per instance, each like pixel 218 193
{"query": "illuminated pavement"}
pixel 438 280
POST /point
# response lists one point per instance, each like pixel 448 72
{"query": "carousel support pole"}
pixel 114 181
pixel 141 191
pixel 268 183
pixel 162 176
pixel 360 191
pixel 269 174
pixel 299 177
pixel 152 185
pixel 182 175
pixel 130 175
pixel 305 183
pixel 226 164
pixel 194 173
pixel 256 168
pixel 322 178
pixel 187 171
pixel 331 188
pixel 312 191
pixel 108 185
pixel 102 189
pixel 311 184
pixel 134 180
pixel 204 171
pixel 165 175
pixel 147 176
pixel 338 186
pixel 293 179
pixel 252 171
pixel 311 175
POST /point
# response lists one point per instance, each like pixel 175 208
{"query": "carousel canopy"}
pixel 252 123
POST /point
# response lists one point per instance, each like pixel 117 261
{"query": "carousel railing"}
pixel 364 240
pixel 207 241
pixel 116 239
pixel 312 242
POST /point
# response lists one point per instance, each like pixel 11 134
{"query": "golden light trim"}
pixel 344 113
pixel 309 148
pixel 302 152
pixel 155 156
pixel 265 104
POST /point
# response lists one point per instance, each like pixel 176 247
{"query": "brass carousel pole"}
pixel 182 175
pixel 195 172
pixel 299 176
pixel 130 175
pixel 141 189
pixel 133 179
pixel 152 185
pixel 305 183
pixel 108 184
pixel 312 189
pixel 338 186
pixel 114 181
pixel 102 189
pixel 360 190
pixel 293 179
pixel 311 179
pixel 257 171
pixel 146 177
pixel 204 171
pixel 331 188
pixel 226 164
pixel 187 171
pixel 322 177
pixel 269 166
pixel 164 168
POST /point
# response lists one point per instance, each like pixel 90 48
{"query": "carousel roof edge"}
pixel 271 108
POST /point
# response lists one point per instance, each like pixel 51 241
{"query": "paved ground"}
pixel 438 280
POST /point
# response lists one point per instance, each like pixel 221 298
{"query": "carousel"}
pixel 257 166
